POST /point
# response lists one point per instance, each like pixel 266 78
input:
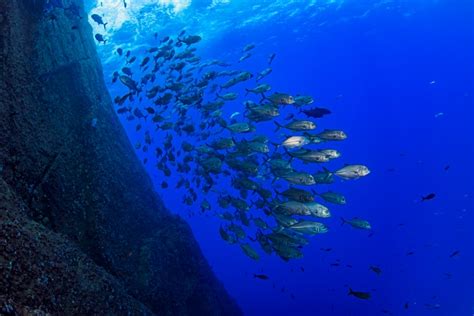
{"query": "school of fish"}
pixel 177 102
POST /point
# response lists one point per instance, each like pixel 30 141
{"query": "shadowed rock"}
pixel 81 186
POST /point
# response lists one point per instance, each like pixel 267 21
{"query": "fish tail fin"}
pixel 343 221
pixel 327 170
pixel 278 126
pixel 351 292
pixel 105 25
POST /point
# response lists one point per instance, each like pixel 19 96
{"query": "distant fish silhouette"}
pixel 428 197
pixel 454 254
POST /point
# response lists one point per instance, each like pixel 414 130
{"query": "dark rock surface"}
pixel 81 229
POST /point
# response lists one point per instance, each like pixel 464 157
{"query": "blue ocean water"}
pixel 398 77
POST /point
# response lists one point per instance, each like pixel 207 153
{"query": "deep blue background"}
pixel 385 70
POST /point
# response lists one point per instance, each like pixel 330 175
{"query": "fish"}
pixel 295 142
pixel 244 57
pixel 228 96
pixel 190 39
pixel 249 251
pixel 100 38
pixel 318 210
pixel 357 223
pixel 129 83
pixel 127 71
pixel 332 197
pixel 264 73
pixel 297 125
pixel 376 270
pixel 359 295
pixel 428 197
pixel 329 134
pixel 271 58
pixel 316 112
pixel 248 47
pixel 144 61
pixel 300 178
pixel 179 88
pixel 243 127
pixel 261 276
pixel 234 114
pixel 301 100
pixel 298 195
pixel 293 208
pixel 278 98
pixel 261 88
pixel 454 254
pixel 350 172
pixel 309 227
pixel 98 19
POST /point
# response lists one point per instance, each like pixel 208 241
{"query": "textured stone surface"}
pixel 82 186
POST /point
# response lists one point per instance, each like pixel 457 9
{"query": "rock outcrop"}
pixel 81 229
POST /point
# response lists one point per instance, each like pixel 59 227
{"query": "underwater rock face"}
pixel 67 161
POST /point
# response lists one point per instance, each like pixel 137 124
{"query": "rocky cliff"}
pixel 82 231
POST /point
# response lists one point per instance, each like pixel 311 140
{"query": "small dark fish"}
pixel 119 51
pixel 376 269
pixel 359 295
pixel 98 19
pixel 428 197
pixel 261 276
pixel 271 58
pixel 164 185
pixel 138 113
pixel 406 305
pixel 325 249
pixel 454 254
pixel 100 38
pixel 127 71
pixel 316 112
pixel 410 253
pixel 446 168
pixel 144 61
